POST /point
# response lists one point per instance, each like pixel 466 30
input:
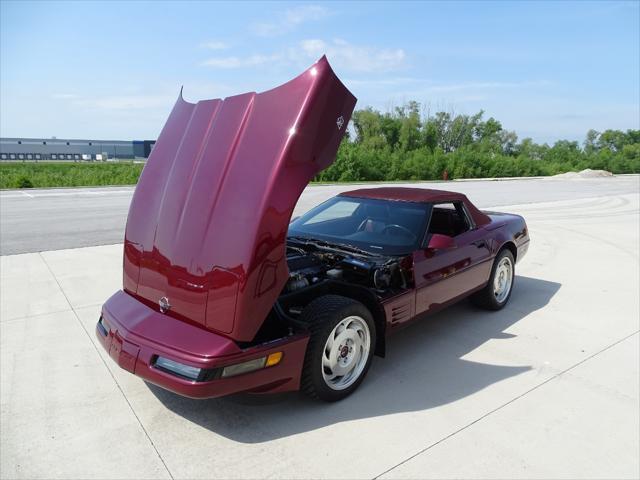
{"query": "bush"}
pixel 397 146
pixel 24 182
pixel 63 174
pixel 401 146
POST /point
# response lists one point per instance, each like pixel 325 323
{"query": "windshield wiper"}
pixel 334 245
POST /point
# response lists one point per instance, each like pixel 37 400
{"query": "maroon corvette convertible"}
pixel 223 293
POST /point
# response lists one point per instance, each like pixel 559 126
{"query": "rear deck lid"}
pixel 205 236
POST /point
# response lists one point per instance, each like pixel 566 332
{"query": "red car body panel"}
pixel 444 276
pixel 206 234
pixel 420 195
pixel 207 224
pixel 137 335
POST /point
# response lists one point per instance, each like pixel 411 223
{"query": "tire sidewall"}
pixel 503 253
pixel 317 345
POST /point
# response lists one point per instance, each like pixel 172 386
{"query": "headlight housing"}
pixel 196 374
pixel 178 369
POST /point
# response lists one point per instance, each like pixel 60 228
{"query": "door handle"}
pixel 480 243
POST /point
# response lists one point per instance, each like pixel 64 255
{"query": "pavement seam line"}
pixel 500 407
pixel 107 367
pixel 27 317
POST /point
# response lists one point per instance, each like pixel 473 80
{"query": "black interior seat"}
pixel 442 222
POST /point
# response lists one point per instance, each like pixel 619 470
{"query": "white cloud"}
pixel 469 91
pixel 298 15
pixel 214 45
pixel 357 58
pixel 194 91
pixel 126 102
pixel 239 62
pixel 347 56
pixel 382 82
pixel 289 20
pixel 64 96
pixel 482 86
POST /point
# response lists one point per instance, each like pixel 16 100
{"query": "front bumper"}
pixel 136 335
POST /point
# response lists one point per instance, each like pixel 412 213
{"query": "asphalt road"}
pixel 42 220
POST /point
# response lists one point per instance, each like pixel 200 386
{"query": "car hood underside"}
pixel 207 225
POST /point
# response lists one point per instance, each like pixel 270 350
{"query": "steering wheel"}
pixel 402 229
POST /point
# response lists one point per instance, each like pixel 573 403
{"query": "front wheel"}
pixel 498 291
pixel 340 349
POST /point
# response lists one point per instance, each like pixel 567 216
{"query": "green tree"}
pixel 400 145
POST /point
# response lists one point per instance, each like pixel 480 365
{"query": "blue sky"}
pixel 113 70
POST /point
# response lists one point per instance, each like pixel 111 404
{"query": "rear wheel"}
pixel 498 291
pixel 340 349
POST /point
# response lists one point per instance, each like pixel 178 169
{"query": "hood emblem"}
pixel 164 304
pixel 340 122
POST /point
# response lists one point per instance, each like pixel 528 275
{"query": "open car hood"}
pixel 207 226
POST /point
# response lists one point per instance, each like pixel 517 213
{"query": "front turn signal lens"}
pixel 252 365
pixel 273 359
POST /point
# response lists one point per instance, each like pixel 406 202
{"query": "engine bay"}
pixel 317 268
pixel 310 265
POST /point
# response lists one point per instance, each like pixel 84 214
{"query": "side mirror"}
pixel 441 242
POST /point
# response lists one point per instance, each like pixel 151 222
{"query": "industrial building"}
pixel 57 149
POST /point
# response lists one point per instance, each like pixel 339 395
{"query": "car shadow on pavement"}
pixel 423 368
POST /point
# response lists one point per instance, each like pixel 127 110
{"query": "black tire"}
pixel 323 315
pixel 486 297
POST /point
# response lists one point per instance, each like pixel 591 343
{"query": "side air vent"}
pixel 401 313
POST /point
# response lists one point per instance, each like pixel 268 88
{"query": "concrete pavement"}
pixel 546 388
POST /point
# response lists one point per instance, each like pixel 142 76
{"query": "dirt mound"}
pixel 588 173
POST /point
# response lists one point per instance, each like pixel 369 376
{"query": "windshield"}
pixel 377 226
